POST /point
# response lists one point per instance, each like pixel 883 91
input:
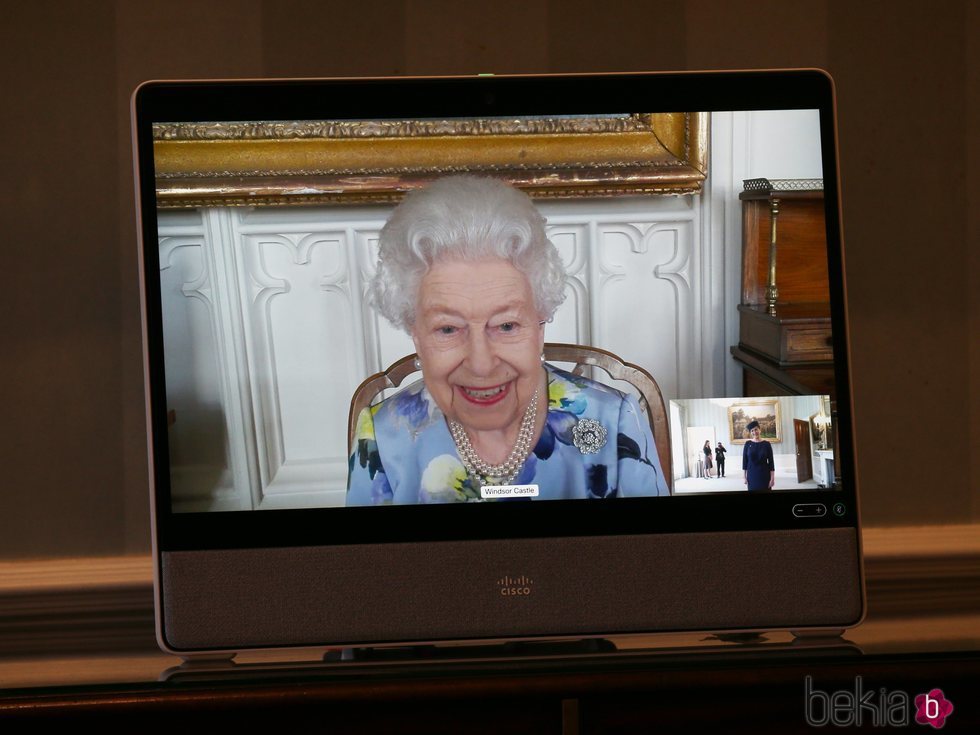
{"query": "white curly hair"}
pixel 466 218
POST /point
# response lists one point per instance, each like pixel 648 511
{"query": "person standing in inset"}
pixel 707 458
pixel 757 461
pixel 720 459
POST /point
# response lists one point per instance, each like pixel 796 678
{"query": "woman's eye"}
pixel 508 327
pixel 446 331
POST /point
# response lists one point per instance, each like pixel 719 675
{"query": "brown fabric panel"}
pixel 902 130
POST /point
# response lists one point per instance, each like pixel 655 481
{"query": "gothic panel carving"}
pixel 641 301
pixel 201 475
pixel 571 321
pixel 301 358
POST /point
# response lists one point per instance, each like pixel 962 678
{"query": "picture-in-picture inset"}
pixel 752 444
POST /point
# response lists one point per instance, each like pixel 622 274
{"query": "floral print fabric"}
pixel 403 451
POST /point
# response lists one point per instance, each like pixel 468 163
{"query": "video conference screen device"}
pixel 309 485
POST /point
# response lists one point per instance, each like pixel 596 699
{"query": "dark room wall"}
pixel 907 75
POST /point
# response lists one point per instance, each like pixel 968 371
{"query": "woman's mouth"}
pixel 484 396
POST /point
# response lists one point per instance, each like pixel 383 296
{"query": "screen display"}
pixel 568 307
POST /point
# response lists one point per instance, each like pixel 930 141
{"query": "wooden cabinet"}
pixel 785 338
pixel 797 333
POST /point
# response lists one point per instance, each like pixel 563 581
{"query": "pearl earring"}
pixel 418 364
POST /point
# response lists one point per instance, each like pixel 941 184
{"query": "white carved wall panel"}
pixel 201 449
pixel 629 282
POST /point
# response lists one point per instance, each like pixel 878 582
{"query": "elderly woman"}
pixel 466 269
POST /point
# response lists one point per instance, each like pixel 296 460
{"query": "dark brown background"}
pixel 908 75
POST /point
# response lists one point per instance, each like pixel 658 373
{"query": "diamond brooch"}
pixel 588 436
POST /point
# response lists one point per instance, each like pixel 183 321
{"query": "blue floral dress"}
pixel 403 451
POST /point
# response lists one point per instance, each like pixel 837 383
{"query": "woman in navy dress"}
pixel 757 461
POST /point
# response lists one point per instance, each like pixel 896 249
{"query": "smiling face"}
pixel 479 338
pixel 756 433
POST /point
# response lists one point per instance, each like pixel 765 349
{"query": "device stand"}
pixel 512 649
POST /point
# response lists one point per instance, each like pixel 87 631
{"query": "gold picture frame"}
pixel 378 161
pixel 766 411
pixel 822 431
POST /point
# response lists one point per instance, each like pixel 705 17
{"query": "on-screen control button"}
pixel 809 510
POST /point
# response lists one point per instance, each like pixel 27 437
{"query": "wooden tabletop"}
pixel 653 682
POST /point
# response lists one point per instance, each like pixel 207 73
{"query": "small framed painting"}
pixel 765 411
pixel 821 429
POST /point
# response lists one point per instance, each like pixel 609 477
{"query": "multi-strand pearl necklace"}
pixel 485 473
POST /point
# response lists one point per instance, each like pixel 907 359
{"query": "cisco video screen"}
pixel 389 312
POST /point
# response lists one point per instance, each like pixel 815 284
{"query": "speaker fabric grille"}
pixel 361 594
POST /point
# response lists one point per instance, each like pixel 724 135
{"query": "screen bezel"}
pixel 215 101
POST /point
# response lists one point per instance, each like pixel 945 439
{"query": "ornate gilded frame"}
pixel 377 161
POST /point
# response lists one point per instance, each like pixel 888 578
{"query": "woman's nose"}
pixel 481 358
